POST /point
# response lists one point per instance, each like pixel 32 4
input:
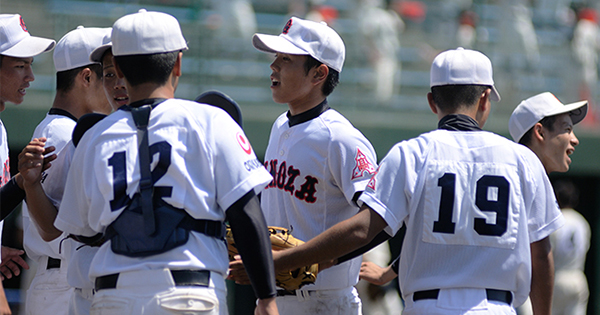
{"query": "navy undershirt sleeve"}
pixel 252 240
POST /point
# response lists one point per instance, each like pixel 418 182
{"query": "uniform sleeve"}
pixel 544 215
pixel 73 211
pixel 389 190
pixel 237 170
pixel 352 161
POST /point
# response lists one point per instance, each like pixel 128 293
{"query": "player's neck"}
pixel 300 106
pixel 72 103
pixel 149 90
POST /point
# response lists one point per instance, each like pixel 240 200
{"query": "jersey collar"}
pixel 307 115
pixel 149 101
pixel 62 112
pixel 458 122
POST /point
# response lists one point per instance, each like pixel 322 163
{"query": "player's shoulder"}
pixel 191 110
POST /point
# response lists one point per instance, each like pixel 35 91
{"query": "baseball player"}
pixel 17 49
pixel 319 162
pixel 543 124
pixel 478 208
pixel 570 245
pixel 79 91
pixel 204 165
pixel 78 261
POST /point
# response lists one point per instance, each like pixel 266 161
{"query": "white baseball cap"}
pixel 73 50
pixel 303 37
pixel 145 33
pixel 98 53
pixel 535 108
pixel 463 67
pixel 15 40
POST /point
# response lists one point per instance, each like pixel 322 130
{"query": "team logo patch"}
pixel 362 165
pixel 287 26
pixel 372 181
pixel 23 26
pixel 244 143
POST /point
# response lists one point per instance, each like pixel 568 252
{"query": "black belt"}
pixel 492 295
pixel 53 263
pixel 287 292
pixel 182 278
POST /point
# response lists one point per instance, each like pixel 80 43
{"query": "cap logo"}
pixel 23 26
pixel 287 26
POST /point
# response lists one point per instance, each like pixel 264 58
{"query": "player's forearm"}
pixel 251 235
pixel 542 278
pixel 335 242
pixel 42 211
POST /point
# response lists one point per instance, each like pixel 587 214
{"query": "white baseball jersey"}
pixel 201 159
pixel 318 165
pixel 57 128
pixel 472 202
pixel 5 164
pixel 571 243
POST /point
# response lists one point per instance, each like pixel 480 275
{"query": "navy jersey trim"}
pixel 308 115
pixel 62 112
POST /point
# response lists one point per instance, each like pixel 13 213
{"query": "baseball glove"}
pixel 281 238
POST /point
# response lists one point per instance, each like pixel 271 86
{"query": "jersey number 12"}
pixel 118 162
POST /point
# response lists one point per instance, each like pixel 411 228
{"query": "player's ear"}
pixel 538 132
pixel 177 67
pixel 85 76
pixel 320 73
pixel 432 105
pixel 484 103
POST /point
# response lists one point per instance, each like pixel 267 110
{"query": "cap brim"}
pixel 576 110
pixel 275 44
pixel 98 53
pixel 495 95
pixel 29 47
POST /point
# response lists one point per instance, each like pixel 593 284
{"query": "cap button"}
pixel 460 48
pixel 142 11
pixel 323 22
pixel 80 27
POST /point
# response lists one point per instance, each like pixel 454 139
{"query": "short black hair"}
pixel 65 79
pixel 547 122
pixel 333 78
pixel 566 193
pixel 153 68
pixel 450 98
pixel 1 56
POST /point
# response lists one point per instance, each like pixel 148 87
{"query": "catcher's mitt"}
pixel 281 238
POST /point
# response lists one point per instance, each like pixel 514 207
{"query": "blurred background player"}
pixel 17 49
pixel 79 91
pixel 570 245
pixel 186 278
pixel 320 163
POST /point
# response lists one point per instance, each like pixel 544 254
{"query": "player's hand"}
pixel 266 307
pixel 237 272
pixel 32 161
pixel 374 274
pixel 12 262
